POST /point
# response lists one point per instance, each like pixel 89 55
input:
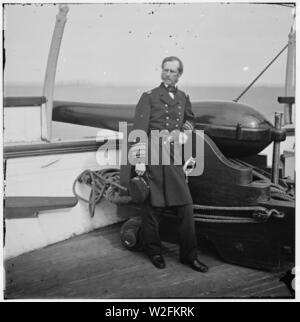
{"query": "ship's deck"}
pixel 97 266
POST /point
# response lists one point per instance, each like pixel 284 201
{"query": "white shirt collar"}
pixel 167 86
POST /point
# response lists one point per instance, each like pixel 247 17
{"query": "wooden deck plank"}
pixel 96 265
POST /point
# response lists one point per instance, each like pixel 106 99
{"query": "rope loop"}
pixel 103 184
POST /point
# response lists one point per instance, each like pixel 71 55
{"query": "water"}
pixel 263 98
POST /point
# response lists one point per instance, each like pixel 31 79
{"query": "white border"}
pixel 297 154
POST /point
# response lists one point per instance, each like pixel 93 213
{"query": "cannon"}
pixel 238 206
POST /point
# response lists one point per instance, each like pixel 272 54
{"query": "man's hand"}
pixel 183 138
pixel 140 169
pixel 189 166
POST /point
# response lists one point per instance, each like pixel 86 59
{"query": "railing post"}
pixel 276 150
pixel 49 82
pixel 290 74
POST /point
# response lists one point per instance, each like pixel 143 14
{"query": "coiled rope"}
pixel 104 184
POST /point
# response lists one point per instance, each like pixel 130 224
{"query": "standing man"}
pixel 167 108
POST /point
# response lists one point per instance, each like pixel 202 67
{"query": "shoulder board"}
pixel 152 91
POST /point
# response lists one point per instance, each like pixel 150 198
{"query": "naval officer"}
pixel 167 108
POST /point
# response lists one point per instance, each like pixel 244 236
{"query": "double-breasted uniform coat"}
pixel 157 110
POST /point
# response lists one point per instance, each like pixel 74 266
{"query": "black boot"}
pixel 198 266
pixel 158 261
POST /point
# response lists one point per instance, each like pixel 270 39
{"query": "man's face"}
pixel 170 74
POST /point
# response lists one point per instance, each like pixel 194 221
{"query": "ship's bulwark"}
pixel 237 129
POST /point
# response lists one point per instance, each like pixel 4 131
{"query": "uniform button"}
pixel 177 120
pixel 166 105
pixel 180 107
pixel 176 125
pixel 167 117
pixel 179 113
pixel 167 124
pixel 167 111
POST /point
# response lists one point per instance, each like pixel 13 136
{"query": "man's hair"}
pixel 173 58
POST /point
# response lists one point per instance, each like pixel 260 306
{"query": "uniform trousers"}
pixel 186 231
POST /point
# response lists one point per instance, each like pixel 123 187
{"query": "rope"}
pixel 220 208
pixel 259 217
pixel 226 220
pixel 264 70
pixel 103 184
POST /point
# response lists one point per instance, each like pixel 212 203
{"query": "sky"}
pixel 124 44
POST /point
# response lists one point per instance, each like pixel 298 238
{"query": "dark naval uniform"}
pixel 157 110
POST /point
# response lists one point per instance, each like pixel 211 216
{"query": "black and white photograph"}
pixel 149 153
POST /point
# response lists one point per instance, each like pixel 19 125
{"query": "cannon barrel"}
pixel 237 129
